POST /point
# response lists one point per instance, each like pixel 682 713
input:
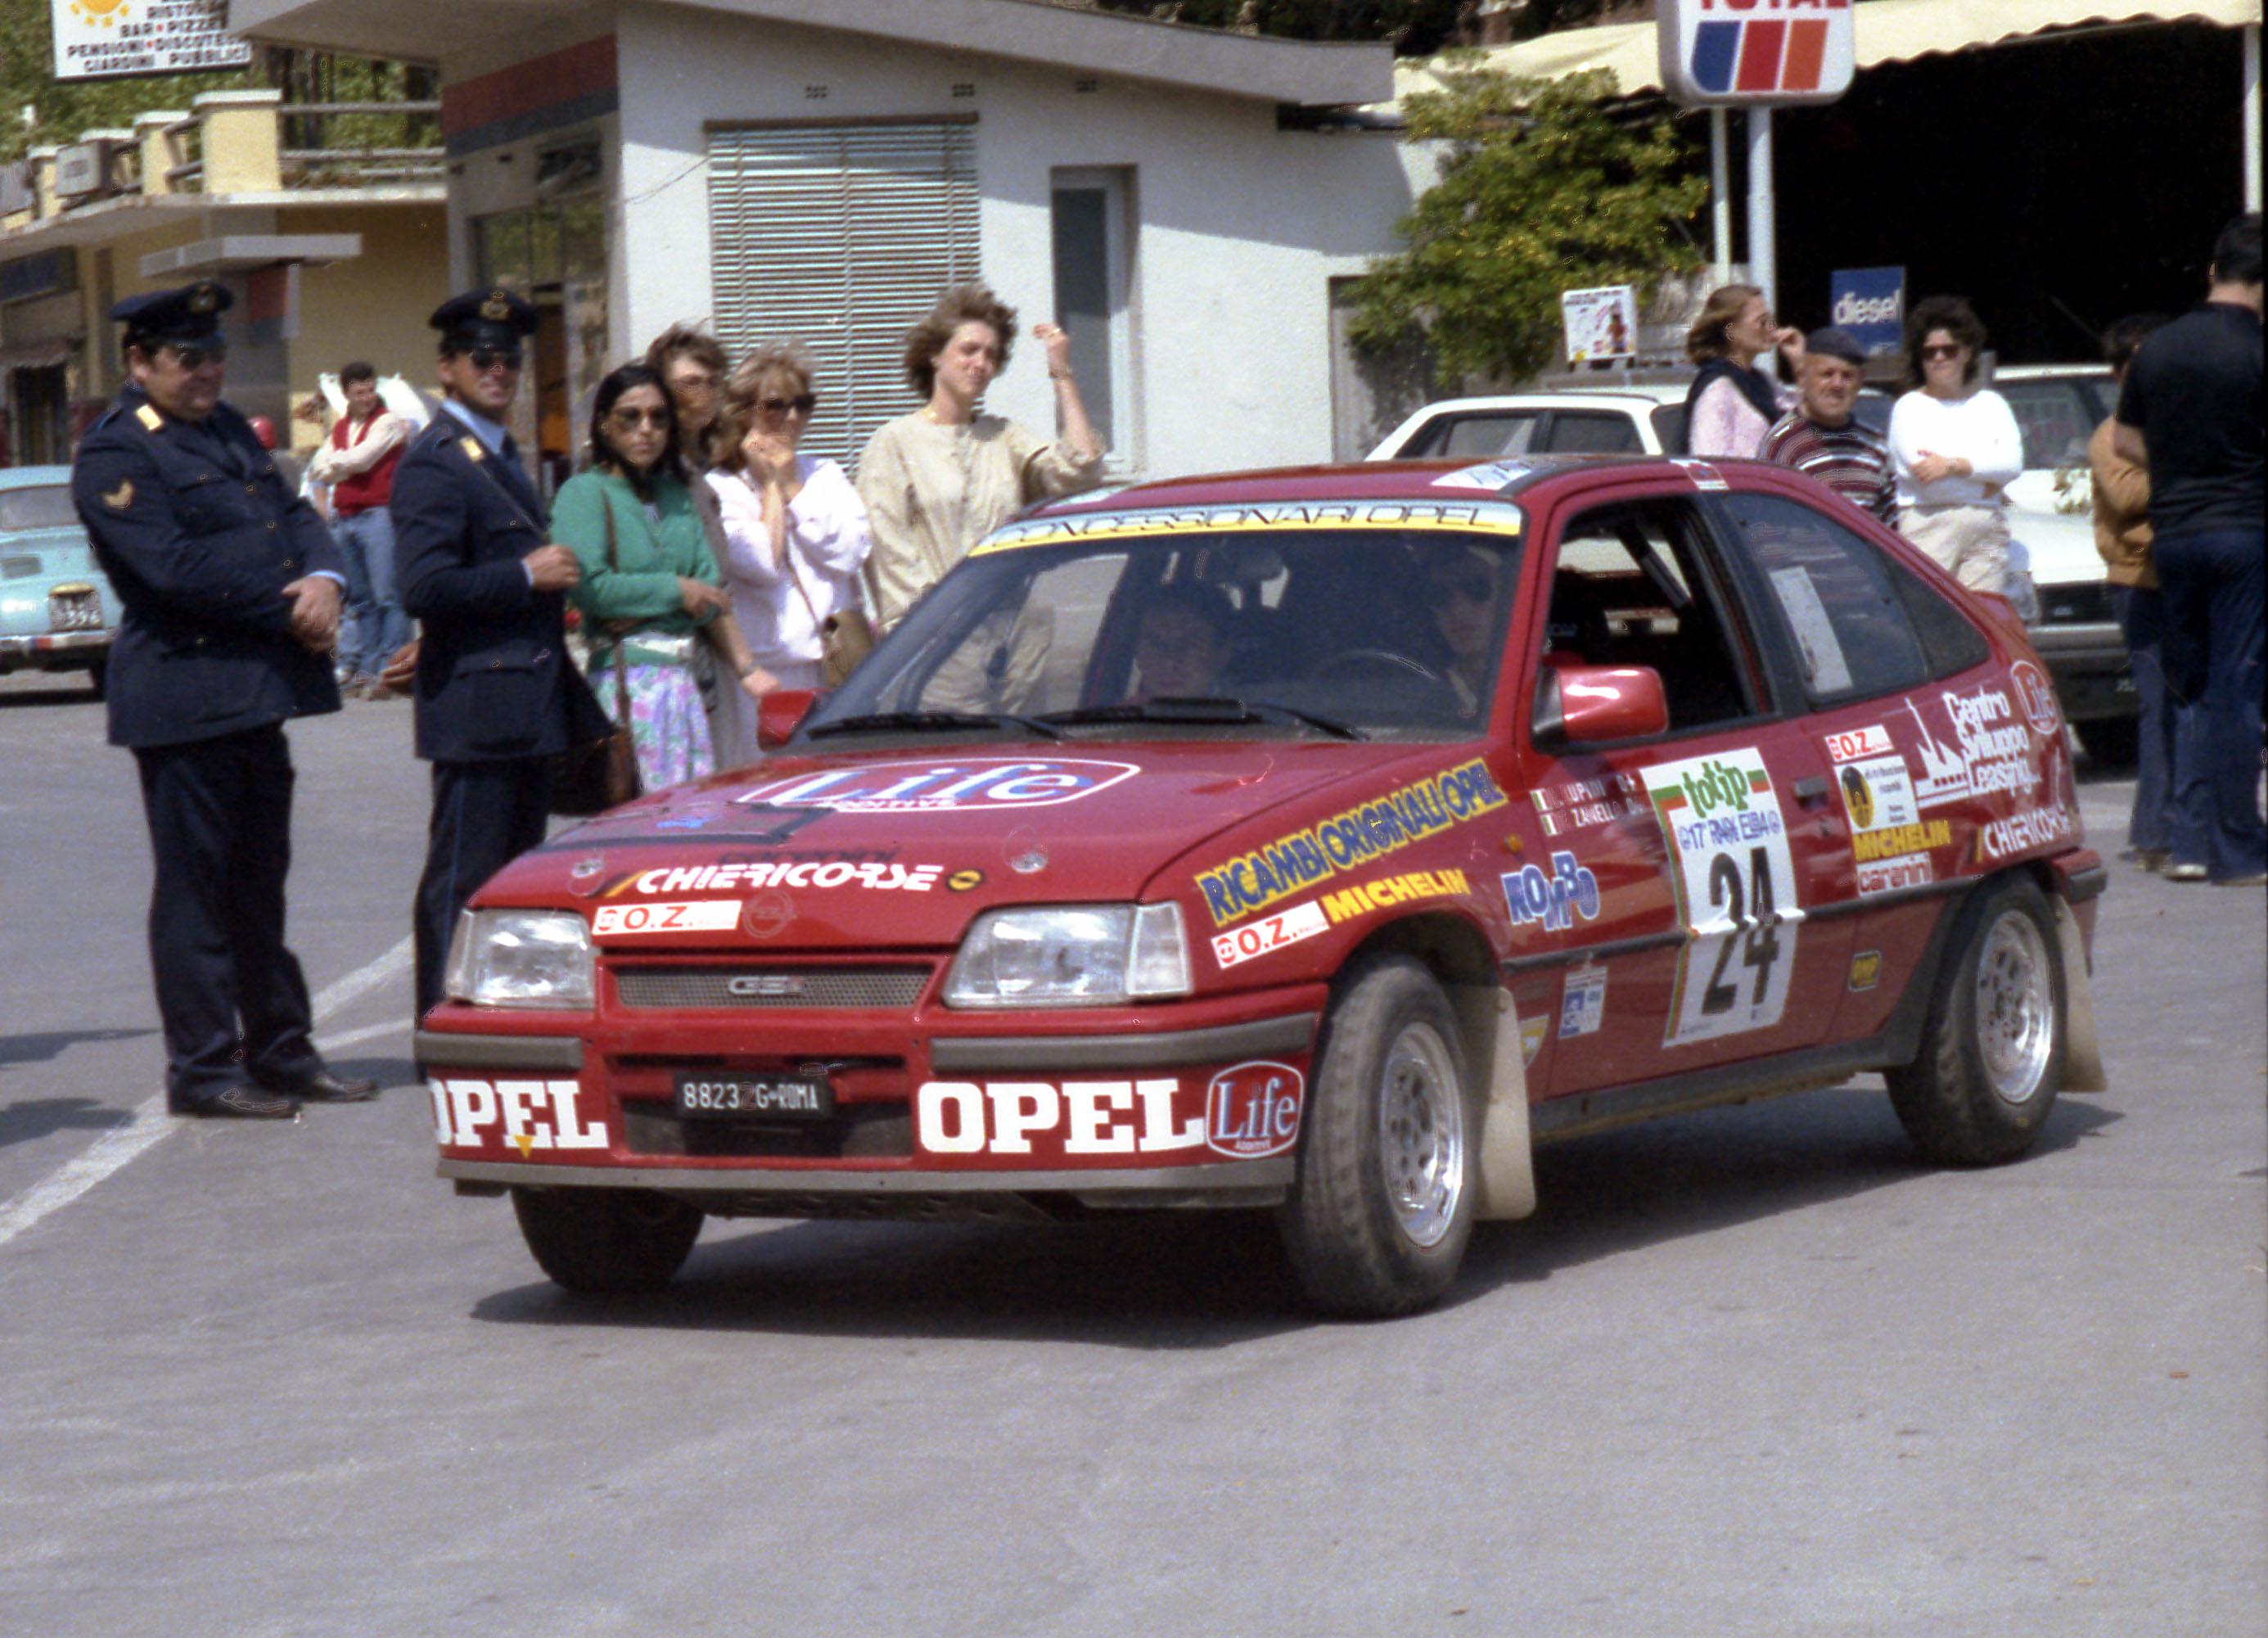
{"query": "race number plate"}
pixel 774 1097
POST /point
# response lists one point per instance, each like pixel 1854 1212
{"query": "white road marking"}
pixel 371 1032
pixel 120 1146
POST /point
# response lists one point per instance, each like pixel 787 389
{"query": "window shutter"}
pixel 840 238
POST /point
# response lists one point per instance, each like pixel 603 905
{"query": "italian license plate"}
pixel 777 1097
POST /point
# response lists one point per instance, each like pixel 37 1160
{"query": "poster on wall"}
pixel 112 39
pixel 1599 323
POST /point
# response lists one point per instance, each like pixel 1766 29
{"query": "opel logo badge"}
pixel 767 986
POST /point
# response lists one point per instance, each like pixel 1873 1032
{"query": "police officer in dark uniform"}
pixel 230 585
pixel 496 695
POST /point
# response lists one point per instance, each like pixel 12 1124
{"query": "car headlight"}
pixel 1072 955
pixel 520 958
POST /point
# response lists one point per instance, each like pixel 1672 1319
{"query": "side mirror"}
pixel 1587 704
pixel 780 713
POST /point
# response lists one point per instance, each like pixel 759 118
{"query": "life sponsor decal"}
pixel 1250 882
pixel 969 785
pixel 1533 1032
pixel 1865 971
pixel 2024 832
pixel 525 1116
pixel 886 876
pixel 1890 842
pixel 1247 1111
pixel 1736 893
pixel 1583 1009
pixel 1989 750
pixel 1269 934
pixel 1556 900
pixel 2036 697
pixel 621 921
pixel 1267 515
pixel 1581 803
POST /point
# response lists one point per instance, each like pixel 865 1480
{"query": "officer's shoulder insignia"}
pixel 149 417
pixel 121 497
pixel 472 448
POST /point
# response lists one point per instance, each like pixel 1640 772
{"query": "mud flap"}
pixel 1491 1031
pixel 2082 1053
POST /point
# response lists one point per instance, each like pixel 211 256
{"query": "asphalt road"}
pixel 1752 1372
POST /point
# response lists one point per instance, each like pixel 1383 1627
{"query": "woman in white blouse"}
pixel 1955 448
pixel 795 531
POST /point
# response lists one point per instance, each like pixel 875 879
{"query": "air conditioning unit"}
pixel 93 169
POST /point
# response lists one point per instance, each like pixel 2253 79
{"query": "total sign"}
pixel 1756 51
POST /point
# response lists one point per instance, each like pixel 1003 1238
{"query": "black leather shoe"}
pixel 323 1087
pixel 242 1103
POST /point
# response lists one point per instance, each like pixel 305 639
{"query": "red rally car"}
pixel 1317 840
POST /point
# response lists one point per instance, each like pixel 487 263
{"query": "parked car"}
pixel 1321 841
pixel 57 612
pixel 1639 418
pixel 2058 407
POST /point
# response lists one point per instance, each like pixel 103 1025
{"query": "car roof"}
pixel 1637 395
pixel 33 477
pixel 1368 480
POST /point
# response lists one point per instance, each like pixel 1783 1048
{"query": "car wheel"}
pixel 2111 741
pixel 98 673
pixel 1388 1179
pixel 1992 1059
pixel 607 1240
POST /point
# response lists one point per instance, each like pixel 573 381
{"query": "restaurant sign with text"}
pixel 111 39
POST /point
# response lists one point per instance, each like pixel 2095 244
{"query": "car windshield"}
pixel 37 507
pixel 2057 417
pixel 1365 632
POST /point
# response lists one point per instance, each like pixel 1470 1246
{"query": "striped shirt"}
pixel 1849 459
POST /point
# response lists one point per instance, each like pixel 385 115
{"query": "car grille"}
pixel 74 608
pixel 685 989
pixel 2075 605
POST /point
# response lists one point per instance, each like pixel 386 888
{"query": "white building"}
pixel 809 168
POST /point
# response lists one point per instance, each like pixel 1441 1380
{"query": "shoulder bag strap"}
pixel 622 655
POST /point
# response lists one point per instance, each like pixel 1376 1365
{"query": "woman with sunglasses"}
pixel 1955 447
pixel 795 531
pixel 938 481
pixel 649 590
pixel 1732 404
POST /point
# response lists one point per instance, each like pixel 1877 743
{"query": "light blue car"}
pixel 57 612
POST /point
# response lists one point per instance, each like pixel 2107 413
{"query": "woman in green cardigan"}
pixel 650 594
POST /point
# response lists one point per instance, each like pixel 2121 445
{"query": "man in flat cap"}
pixel 230 585
pixel 1820 435
pixel 497 696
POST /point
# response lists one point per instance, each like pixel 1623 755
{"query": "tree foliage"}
pixel 1540 192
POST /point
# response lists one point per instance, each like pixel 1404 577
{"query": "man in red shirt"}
pixel 357 461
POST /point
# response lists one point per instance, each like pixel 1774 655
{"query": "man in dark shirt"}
pixel 2192 408
pixel 1822 438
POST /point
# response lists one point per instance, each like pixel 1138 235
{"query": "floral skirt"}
pixel 667 724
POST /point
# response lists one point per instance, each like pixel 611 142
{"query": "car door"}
pixel 1705 847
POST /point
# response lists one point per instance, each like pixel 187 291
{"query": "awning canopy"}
pixel 1888 31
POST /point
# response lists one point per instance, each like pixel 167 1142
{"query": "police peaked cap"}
pixel 185 316
pixel 493 317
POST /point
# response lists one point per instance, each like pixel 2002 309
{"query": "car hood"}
pixel 899 849
pixel 2061 546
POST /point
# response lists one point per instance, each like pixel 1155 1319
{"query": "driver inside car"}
pixel 1460 589
pixel 1182 647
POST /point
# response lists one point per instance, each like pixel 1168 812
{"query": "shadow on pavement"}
pixel 22 1122
pixel 64 691
pixel 388 1071
pixel 1214 1279
pixel 40 1047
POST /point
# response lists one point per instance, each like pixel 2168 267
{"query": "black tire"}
pixel 608 1242
pixel 1991 1056
pixel 2112 742
pixel 1371 1228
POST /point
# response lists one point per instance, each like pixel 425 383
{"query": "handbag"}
pixel 603 774
pixel 846 637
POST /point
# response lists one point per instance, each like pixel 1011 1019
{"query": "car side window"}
pixel 1630 588
pixel 2056 418
pixel 1951 643
pixel 1592 433
pixel 1482 435
pixel 1833 594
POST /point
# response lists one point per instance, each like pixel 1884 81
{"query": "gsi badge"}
pixel 764 985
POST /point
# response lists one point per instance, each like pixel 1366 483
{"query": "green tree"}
pixel 1540 192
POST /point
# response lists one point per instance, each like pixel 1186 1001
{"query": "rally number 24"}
pixel 1759 946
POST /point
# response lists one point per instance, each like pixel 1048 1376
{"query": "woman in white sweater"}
pixel 1955 448
pixel 795 531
